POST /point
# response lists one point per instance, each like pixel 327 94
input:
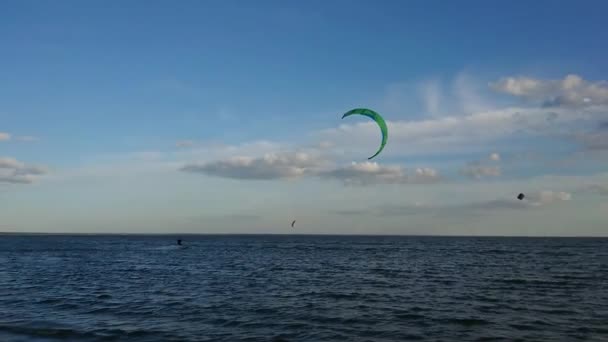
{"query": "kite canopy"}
pixel 520 197
pixel 292 223
pixel 376 117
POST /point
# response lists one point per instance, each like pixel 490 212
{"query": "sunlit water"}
pixel 302 288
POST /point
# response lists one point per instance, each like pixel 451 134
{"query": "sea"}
pixel 302 288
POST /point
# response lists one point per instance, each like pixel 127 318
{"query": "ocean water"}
pixel 302 288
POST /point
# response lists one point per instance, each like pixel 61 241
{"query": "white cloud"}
pixel 366 173
pixel 546 197
pixel 23 138
pixel 478 171
pixel 572 91
pixel 10 163
pixel 309 162
pixel 426 174
pixel 14 171
pixel 270 166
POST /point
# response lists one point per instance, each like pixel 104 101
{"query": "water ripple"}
pixel 305 288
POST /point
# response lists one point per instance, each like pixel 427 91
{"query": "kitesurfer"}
pixel 179 242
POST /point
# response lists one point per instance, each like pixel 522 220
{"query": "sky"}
pixel 225 117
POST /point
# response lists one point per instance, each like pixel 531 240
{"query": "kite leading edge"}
pixel 377 118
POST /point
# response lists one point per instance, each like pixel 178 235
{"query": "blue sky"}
pixel 104 105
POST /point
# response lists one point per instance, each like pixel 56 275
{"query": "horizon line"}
pixel 300 234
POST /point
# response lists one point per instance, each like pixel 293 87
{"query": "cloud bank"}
pixel 572 91
pixel 270 166
pixel 16 172
pixel 292 165
pixel 367 173
pixel 444 135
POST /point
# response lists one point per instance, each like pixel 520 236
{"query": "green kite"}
pixel 376 117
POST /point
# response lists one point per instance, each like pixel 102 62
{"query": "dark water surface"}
pixel 302 288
